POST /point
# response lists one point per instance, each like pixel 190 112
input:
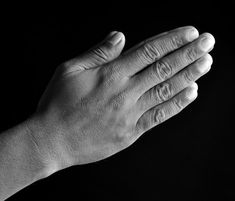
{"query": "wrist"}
pixel 46 136
pixel 36 133
pixel 20 161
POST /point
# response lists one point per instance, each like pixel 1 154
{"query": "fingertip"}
pixel 122 37
pixel 192 33
pixel 208 58
pixel 191 92
pixel 115 38
pixel 186 27
pixel 210 37
pixel 194 86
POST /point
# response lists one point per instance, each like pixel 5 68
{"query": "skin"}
pixel 102 101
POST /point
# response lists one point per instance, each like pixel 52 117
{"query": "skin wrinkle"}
pixel 95 111
pixel 188 76
pixel 101 54
pixel 164 92
pixel 168 88
pixel 191 54
pixel 159 116
pixel 163 70
pixel 138 57
pixel 171 33
pixel 151 53
pixel 178 103
pixel 176 41
pixel 29 131
pixel 179 59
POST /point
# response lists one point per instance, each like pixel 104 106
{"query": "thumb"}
pixel 102 53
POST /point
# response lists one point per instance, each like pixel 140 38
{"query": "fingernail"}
pixel 192 34
pixel 114 38
pixel 192 92
pixel 111 34
pixel 206 43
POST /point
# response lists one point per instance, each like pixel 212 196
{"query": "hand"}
pixel 101 102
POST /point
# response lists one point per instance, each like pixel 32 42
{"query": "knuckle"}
pixel 163 70
pixel 118 101
pixel 177 104
pixel 121 136
pixel 176 41
pixel 188 76
pixel 150 52
pixel 191 54
pixel 158 116
pixel 163 92
pixel 101 54
pixel 70 66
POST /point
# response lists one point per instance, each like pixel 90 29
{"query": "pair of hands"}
pixel 102 101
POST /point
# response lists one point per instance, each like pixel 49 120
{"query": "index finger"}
pixel 154 48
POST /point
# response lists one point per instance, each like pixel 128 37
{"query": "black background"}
pixel 189 157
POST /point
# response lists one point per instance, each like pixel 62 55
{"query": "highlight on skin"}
pixel 102 101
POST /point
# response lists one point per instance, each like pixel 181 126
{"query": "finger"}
pixel 104 52
pixel 166 90
pixel 153 49
pixel 135 47
pixel 164 111
pixel 171 64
